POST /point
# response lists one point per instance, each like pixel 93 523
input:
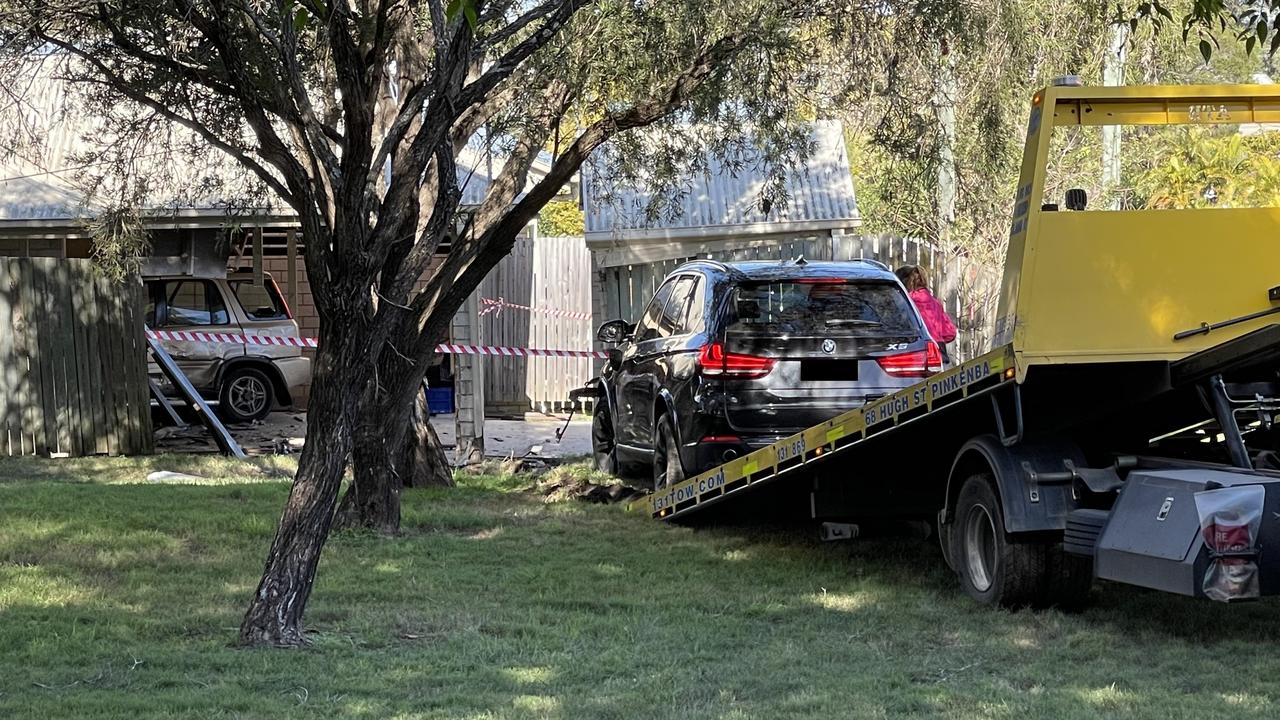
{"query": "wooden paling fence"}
pixel 550 277
pixel 73 367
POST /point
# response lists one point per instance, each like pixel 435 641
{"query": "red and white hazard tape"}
pixel 515 351
pixel 495 307
pixel 446 348
pixel 212 337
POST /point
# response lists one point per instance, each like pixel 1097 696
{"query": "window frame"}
pixel 641 328
pixel 909 311
pixel 162 297
pixel 272 290
pixel 680 320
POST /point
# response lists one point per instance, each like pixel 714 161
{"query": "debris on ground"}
pixel 509 465
pixel 582 482
pixel 165 476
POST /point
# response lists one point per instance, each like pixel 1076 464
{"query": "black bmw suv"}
pixel 729 357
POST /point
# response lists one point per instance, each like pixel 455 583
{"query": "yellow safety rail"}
pixel 842 432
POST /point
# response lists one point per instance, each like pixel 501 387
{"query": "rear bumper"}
pixel 296 374
pixel 713 450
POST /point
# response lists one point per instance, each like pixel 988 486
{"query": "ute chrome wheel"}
pixel 246 395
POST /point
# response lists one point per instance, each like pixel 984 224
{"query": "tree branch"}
pixel 502 68
pixel 641 114
pixel 466 267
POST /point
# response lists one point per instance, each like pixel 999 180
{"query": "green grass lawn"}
pixel 120 598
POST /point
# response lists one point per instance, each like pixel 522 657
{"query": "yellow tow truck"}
pixel 1123 427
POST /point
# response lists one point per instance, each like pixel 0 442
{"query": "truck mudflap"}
pixel 1210 533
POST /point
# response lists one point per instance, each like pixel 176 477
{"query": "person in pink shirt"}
pixel 936 320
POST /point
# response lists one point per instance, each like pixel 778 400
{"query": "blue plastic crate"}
pixel 440 400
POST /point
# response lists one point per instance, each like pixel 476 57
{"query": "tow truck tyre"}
pixel 667 470
pixel 997 571
pixel 604 449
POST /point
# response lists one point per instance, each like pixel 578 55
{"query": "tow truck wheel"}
pixel 994 570
pixel 604 448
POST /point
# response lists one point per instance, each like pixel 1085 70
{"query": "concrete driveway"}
pixel 502 437
pixel 521 437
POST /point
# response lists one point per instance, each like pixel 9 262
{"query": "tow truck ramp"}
pixel 1192 528
pixel 824 440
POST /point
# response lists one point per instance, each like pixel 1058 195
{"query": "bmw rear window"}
pixel 823 307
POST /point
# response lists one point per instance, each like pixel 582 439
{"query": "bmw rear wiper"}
pixel 854 321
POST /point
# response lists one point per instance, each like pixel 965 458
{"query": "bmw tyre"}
pixel 246 395
pixel 995 570
pixel 667 470
pixel 604 446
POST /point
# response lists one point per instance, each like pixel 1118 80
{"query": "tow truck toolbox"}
pixel 1123 426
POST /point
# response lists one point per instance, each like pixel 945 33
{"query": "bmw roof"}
pixel 798 268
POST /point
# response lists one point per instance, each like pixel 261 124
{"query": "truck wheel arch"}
pixel 1026 507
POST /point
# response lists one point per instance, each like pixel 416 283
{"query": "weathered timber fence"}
pixel 73 368
pixel 550 278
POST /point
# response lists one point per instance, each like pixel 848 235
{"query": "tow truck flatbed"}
pixel 822 441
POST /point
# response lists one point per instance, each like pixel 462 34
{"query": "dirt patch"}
pixel 581 482
pixel 280 433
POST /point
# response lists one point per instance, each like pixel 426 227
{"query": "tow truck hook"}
pixel 590 389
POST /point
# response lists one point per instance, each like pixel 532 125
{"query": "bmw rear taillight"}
pixel 915 364
pixel 715 362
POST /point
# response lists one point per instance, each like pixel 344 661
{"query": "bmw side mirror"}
pixel 748 310
pixel 614 331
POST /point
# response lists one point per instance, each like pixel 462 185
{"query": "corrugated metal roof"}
pixel 28 193
pixel 40 180
pixel 820 190
pixel 41 184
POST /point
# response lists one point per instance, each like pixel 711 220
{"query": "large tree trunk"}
pixel 395 447
pixel 274 616
pixel 372 500
pixel 423 462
